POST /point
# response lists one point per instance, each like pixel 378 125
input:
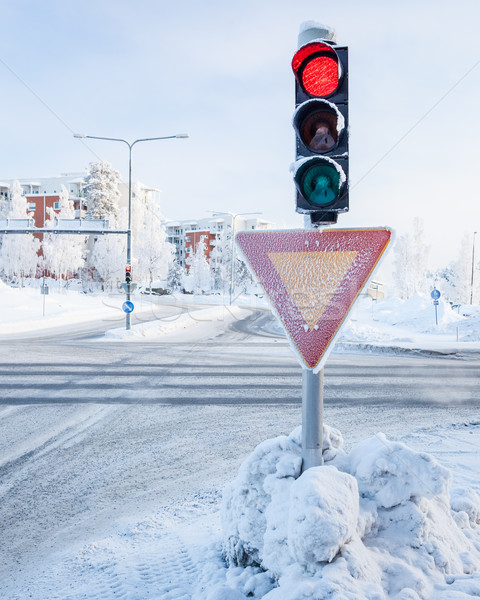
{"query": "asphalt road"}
pixel 92 431
pixel 248 363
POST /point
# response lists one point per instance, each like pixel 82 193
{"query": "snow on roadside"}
pixel 169 324
pixel 21 309
pixel 379 522
pixel 410 324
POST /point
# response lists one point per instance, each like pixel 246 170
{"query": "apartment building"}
pixel 186 235
pixel 44 193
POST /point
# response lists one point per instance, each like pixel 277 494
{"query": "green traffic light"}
pixel 320 183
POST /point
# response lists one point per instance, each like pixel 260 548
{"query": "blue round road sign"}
pixel 435 294
pixel 128 306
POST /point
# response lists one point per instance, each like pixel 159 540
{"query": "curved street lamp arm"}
pixel 165 137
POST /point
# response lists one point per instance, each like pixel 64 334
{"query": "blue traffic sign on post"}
pixel 128 306
pixel 435 294
pixel 435 302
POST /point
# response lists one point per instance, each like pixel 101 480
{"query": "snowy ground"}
pixel 394 523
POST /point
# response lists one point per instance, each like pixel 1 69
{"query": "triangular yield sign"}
pixel 312 279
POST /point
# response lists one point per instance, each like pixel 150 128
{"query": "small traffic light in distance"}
pixel 321 125
pixel 128 273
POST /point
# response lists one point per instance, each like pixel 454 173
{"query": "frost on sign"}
pixel 312 279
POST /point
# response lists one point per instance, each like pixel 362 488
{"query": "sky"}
pixel 220 71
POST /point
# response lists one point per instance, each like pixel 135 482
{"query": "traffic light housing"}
pixel 128 274
pixel 320 121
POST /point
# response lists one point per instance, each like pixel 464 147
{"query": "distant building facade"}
pixel 187 234
pixel 44 193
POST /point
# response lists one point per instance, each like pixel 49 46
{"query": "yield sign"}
pixel 312 279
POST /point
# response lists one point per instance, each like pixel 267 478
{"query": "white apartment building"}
pixel 44 192
pixel 182 233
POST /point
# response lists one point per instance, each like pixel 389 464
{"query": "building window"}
pixel 56 205
pixel 187 238
pixel 32 206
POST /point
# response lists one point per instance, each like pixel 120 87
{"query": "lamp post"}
pixel 234 216
pixel 473 268
pixel 129 232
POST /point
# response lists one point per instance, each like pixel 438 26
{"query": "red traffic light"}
pixel 128 273
pixel 317 69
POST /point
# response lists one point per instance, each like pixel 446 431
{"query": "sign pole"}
pixel 312 419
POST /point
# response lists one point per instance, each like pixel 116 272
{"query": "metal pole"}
pixel 232 269
pixel 312 419
pixel 129 233
pixel 436 315
pixel 44 292
pixel 473 267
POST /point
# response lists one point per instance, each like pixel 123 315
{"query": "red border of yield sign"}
pixel 312 345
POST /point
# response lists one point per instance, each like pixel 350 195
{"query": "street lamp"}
pixel 234 216
pixel 473 267
pixel 129 232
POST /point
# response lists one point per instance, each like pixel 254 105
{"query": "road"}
pixel 92 432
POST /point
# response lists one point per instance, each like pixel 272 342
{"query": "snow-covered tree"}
pixel 108 257
pixel 221 262
pixel 63 254
pixel 4 206
pixel 19 252
pixel 199 278
pixel 101 191
pixel 154 254
pixel 456 280
pixel 175 275
pixel 102 195
pixel 411 261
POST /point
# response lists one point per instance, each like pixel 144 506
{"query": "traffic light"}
pixel 320 121
pixel 128 273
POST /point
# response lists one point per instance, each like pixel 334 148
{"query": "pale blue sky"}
pixel 221 72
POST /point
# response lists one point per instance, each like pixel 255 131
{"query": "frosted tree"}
pixel 19 252
pixel 199 278
pixel 108 256
pixel 154 254
pixel 63 255
pixel 175 275
pixel 4 206
pixel 457 279
pixel 221 261
pixel 102 195
pixel 101 191
pixel 411 262
pixel 243 277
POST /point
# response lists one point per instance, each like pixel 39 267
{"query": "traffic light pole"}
pixel 128 291
pixel 312 419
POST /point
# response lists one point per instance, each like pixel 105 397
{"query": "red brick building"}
pixel 193 239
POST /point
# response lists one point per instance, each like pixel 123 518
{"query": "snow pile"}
pixel 412 320
pixel 379 522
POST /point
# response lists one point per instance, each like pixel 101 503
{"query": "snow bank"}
pixel 171 324
pixel 379 522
